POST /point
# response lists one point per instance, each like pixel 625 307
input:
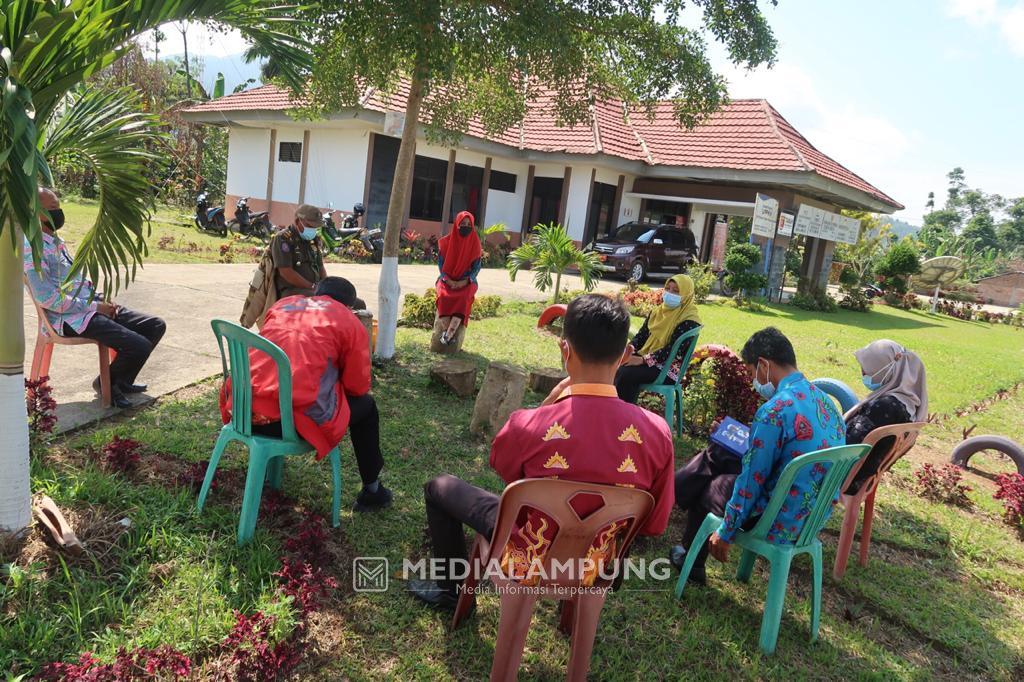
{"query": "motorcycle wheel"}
pixel 220 225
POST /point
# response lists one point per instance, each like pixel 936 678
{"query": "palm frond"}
pixel 550 251
pixel 108 133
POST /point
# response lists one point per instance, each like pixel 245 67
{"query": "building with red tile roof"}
pixel 618 167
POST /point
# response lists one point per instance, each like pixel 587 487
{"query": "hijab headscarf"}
pixel 901 374
pixel 663 321
pixel 459 252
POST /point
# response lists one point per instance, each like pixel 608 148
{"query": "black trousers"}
pixel 452 502
pixel 131 334
pixel 629 379
pixel 363 429
pixel 704 485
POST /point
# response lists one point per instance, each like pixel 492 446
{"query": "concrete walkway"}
pixel 188 297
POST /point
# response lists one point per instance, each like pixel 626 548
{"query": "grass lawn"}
pixel 942 597
pixel 186 245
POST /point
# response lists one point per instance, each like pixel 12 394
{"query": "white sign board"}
pixel 786 220
pixel 766 212
pixel 394 123
pixel 833 227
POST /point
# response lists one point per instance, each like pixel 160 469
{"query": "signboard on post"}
pixel 826 225
pixel 766 211
pixel 786 220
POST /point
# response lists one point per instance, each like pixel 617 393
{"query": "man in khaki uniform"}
pixel 298 258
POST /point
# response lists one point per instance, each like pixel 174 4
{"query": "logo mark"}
pixel 370 574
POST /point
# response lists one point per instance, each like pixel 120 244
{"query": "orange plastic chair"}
pixel 888 445
pixel 580 612
pixel 47 338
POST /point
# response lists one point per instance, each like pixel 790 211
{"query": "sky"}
pixel 898 91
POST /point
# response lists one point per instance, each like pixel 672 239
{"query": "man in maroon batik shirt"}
pixel 582 432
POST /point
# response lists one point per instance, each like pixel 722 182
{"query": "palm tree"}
pixel 47 49
pixel 550 251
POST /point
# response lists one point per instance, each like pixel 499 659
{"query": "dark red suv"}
pixel 636 250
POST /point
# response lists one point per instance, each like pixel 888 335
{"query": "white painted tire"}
pixel 962 453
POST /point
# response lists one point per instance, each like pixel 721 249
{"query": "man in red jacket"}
pixel 330 358
pixel 582 432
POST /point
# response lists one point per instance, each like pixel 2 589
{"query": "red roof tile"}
pixel 747 134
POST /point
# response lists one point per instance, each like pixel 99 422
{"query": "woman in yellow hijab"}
pixel 676 315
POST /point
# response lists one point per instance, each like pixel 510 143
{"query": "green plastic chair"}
pixel 673 393
pixel 754 542
pixel 266 454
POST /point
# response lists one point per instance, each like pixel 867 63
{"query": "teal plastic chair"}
pixel 754 542
pixel 266 454
pixel 673 393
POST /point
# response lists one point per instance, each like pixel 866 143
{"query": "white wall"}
pixel 629 208
pixel 287 173
pixel 336 172
pixel 248 162
pixel 576 205
pixel 507 207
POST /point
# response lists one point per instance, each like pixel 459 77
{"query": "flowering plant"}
pixel 733 393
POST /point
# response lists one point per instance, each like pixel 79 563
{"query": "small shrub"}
pixel 898 263
pixel 703 277
pixel 486 306
pixel 419 311
pixel 164 663
pixel 904 301
pixel 740 262
pixel 256 653
pixel 166 243
pixel 41 407
pixel 733 394
pixel 854 299
pixel 642 301
pixel 122 454
pixel 943 484
pixel 816 300
pixel 1011 492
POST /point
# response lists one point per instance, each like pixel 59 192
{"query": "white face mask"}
pixel 765 390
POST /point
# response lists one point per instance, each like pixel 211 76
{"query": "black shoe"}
pixel 698 574
pixel 432 594
pixel 368 502
pixel 118 399
pixel 133 388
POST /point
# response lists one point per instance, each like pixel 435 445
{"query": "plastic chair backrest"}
pixel 841 460
pixel 574 536
pixel 237 368
pixel 45 327
pixel 685 362
pixel 897 439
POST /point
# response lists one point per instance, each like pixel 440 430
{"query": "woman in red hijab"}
pixel 459 262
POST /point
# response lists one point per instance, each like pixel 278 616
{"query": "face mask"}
pixel 308 233
pixel 464 230
pixel 875 385
pixel 767 390
pixel 671 300
pixel 56 218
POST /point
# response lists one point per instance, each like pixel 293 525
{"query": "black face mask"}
pixel 464 230
pixel 56 218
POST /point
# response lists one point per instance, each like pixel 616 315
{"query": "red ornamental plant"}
pixel 734 395
pixel 305 584
pixel 641 302
pixel 1011 492
pixel 40 405
pixel 254 655
pixel 164 663
pixel 943 484
pixel 122 454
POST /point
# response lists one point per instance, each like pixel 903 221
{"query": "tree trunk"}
pixel 15 491
pixel 188 73
pixel 389 289
pixel 558 285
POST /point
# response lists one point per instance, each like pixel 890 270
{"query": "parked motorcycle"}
pixel 251 224
pixel 210 219
pixel 873 290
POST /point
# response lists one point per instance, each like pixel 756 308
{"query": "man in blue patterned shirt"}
pixel 73 308
pixel 795 419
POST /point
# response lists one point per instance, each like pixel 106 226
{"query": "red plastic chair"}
pixel 47 337
pixel 580 611
pixel 894 441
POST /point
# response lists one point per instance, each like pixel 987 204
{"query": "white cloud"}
pixel 1012 26
pixel 977 12
pixel 202 41
pixel 989 13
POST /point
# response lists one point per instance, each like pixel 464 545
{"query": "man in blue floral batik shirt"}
pixel 795 419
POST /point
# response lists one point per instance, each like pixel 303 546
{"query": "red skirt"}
pixel 455 302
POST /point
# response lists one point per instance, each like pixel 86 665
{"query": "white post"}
pixel 935 298
pixel 389 293
pixel 15 497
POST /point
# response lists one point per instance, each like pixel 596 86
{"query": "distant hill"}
pixel 900 228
